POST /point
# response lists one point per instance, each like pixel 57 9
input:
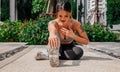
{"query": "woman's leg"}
pixel 54 55
pixel 77 53
pixel 70 52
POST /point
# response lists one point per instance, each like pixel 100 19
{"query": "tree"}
pixel 0 10
pixel 113 12
pixel 12 10
pixel 80 10
pixel 24 9
pixel 5 11
pixel 96 10
pixel 53 6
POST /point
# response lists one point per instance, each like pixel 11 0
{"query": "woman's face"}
pixel 63 16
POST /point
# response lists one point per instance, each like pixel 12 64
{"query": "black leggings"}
pixel 70 52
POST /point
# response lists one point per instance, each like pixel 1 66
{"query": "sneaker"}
pixel 54 57
pixel 41 56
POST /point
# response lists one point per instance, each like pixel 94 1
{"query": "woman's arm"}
pixel 52 28
pixel 53 38
pixel 82 37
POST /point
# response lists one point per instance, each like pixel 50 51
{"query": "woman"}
pixel 62 32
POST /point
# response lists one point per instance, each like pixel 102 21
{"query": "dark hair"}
pixel 65 6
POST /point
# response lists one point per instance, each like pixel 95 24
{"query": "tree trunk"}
pixel 12 10
pixel 53 6
pixel 16 11
pixel 0 10
pixel 80 10
pixel 48 5
pixel 96 10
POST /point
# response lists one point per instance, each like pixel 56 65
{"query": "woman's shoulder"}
pixel 76 22
pixel 51 22
pixel 78 26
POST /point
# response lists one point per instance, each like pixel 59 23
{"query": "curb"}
pixel 11 52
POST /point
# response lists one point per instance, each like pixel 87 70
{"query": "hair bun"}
pixel 67 6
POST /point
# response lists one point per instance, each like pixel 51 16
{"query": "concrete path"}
pixel 8 49
pixel 7 46
pixel 92 61
pixel 110 48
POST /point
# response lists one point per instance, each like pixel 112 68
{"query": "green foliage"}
pixel 38 6
pixel 4 9
pixel 113 12
pixel 97 33
pixel 24 8
pixel 74 8
pixel 36 32
pixel 32 31
pixel 8 31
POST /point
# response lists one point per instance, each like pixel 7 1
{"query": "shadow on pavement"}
pixel 94 58
pixel 69 63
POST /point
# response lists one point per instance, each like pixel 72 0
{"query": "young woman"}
pixel 62 32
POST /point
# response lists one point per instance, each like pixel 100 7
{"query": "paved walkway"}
pixel 110 48
pixel 92 61
pixel 116 27
pixel 8 49
pixel 7 46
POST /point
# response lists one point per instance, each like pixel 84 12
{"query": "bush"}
pixel 39 6
pixel 97 33
pixel 8 31
pixel 32 31
pixel 36 32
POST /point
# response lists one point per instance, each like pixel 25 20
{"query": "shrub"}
pixel 38 7
pixel 98 33
pixel 32 31
pixel 36 32
pixel 9 31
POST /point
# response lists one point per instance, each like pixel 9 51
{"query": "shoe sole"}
pixel 41 56
pixel 38 56
pixel 54 57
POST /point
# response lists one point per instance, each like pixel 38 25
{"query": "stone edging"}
pixel 11 52
pixel 108 53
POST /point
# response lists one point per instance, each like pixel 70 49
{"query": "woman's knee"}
pixel 74 54
pixel 78 51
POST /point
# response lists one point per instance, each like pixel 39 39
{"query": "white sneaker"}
pixel 54 57
pixel 41 56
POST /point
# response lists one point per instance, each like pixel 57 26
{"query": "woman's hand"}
pixel 67 32
pixel 53 41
